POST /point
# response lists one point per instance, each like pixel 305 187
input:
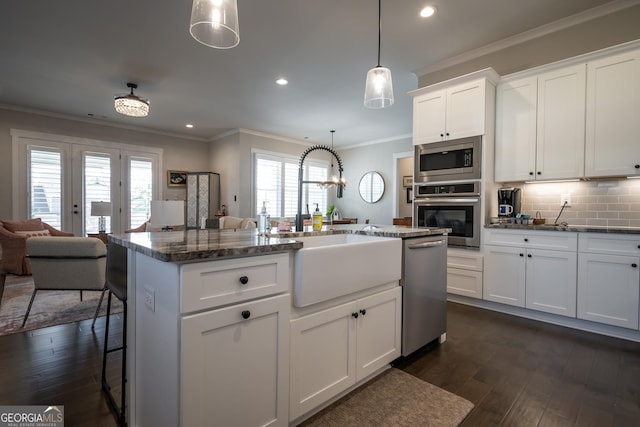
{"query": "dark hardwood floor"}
pixel 517 372
pixel 520 372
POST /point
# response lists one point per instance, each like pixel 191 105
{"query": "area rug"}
pixel 49 308
pixel 395 398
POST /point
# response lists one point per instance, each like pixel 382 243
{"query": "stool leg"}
pixel 33 296
pixel 106 342
pixel 124 364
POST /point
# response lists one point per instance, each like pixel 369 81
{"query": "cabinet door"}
pixel 465 110
pixel 323 357
pixel 609 289
pixel 504 275
pixel 551 281
pixel 228 360
pixel 429 112
pixel 515 153
pixel 560 126
pixel 613 112
pixel 378 333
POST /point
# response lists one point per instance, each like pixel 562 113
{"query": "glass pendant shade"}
pixel 214 23
pixel 130 104
pixel 378 92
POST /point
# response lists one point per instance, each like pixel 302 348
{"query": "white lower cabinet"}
pixel 235 365
pixel 609 279
pixel 523 273
pixel 464 272
pixel 333 349
pixel 504 275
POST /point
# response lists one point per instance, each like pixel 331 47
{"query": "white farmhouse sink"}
pixel 331 266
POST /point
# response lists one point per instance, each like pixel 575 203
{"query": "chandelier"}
pixel 130 104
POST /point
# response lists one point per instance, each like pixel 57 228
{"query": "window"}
pixel 45 185
pixel 59 176
pixel 140 190
pixel 276 182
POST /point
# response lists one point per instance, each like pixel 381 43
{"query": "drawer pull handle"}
pixel 529 255
pixel 363 311
pixel 521 254
pixel 634 265
pixel 244 280
pixel 526 240
pixel 246 314
pixel 354 314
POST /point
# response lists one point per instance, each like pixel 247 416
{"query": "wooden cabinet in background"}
pixel 403 221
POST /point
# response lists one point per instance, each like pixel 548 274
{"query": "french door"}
pixel 58 179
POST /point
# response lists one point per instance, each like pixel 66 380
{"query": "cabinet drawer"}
pixel 614 244
pixel 464 282
pixel 467 260
pixel 217 283
pixel 554 240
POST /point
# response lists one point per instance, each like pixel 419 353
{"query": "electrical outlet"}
pixel 565 198
pixel 150 298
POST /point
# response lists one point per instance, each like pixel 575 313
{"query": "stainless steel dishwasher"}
pixel 424 293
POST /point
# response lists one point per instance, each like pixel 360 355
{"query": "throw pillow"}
pixel 23 225
pixel 32 233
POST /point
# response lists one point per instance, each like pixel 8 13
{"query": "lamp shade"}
pixel 378 92
pixel 214 23
pixel 165 213
pixel 100 208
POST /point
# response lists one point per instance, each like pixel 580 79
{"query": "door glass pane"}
pixel 97 188
pixel 45 186
pixel 140 191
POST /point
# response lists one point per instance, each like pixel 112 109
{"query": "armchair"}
pixel 13 239
pixel 67 263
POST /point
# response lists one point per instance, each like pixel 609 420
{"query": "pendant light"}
pixel 378 92
pixel 130 104
pixel 214 23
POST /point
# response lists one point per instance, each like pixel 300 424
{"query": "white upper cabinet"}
pixel 613 116
pixel 451 110
pixel 517 103
pixel 540 126
pixel 561 118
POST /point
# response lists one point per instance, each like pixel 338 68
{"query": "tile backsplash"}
pixel 613 203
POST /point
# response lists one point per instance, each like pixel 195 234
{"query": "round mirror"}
pixel 371 187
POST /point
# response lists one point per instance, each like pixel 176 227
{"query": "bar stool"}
pixel 116 284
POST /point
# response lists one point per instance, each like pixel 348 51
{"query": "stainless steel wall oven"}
pixel 451 205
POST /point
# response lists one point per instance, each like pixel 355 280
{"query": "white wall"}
pixel 359 160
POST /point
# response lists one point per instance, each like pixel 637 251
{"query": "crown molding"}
pixel 552 27
pixel 98 122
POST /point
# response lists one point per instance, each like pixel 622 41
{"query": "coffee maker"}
pixel 508 202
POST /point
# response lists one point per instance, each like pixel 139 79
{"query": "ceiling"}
pixel 72 57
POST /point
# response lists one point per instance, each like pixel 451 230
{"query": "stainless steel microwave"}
pixel 453 160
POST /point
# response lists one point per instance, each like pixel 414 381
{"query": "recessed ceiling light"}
pixel 189 125
pixel 428 11
pixel 282 81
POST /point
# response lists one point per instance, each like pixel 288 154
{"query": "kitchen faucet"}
pixel 339 185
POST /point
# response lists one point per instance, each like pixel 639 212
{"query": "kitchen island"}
pixel 209 324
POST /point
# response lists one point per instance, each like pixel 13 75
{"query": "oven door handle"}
pixel 445 200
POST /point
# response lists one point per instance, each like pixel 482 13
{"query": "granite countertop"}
pixel 400 231
pixel 568 227
pixel 197 245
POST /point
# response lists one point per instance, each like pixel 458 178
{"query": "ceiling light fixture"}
pixel 130 104
pixel 428 11
pixel 188 125
pixel 282 81
pixel 378 92
pixel 214 23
